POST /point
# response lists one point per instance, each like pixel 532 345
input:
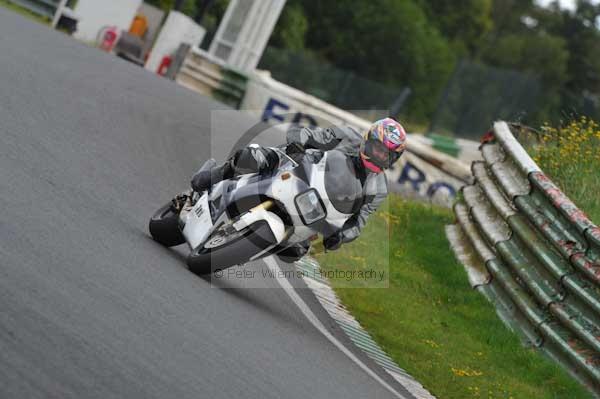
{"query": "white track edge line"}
pixel 312 318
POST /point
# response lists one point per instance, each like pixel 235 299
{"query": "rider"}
pixel 378 149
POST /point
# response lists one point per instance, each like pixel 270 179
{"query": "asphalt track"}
pixel 90 306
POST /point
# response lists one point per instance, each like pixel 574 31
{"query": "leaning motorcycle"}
pixel 253 216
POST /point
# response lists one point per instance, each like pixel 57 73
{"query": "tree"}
pixel 464 22
pixel 583 38
pixel 290 31
pixel 581 41
pixel 416 43
pixel 388 41
pixel 187 7
pixel 542 54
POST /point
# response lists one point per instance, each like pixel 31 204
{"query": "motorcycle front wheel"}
pixel 164 227
pixel 220 254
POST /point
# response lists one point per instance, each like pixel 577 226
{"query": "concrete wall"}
pixel 177 29
pixel 96 14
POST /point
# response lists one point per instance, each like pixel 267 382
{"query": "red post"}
pixel 164 65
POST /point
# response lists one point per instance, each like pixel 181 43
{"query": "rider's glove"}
pixel 333 242
pixel 295 151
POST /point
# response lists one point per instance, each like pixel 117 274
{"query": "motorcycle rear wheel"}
pixel 164 227
pixel 255 239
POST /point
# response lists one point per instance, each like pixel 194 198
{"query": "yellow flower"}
pixel 431 343
pixel 466 372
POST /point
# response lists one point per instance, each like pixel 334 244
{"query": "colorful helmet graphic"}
pixel 383 144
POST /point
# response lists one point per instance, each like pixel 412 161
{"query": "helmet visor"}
pixel 380 155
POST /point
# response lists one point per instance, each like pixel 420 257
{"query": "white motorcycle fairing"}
pixel 198 222
pixel 270 210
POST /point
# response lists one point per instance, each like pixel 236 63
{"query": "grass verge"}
pixel 23 11
pixel 429 319
pixel 570 156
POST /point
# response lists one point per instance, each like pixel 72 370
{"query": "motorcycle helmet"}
pixel 383 144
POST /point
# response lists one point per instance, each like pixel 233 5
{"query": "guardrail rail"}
pixel 533 254
pixel 46 8
pixel 204 75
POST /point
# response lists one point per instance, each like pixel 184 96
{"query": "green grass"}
pixel 429 319
pixel 570 156
pixel 23 11
pixel 581 183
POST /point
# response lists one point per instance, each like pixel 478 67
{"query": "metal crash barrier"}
pixel 206 76
pixel 533 254
pixel 50 9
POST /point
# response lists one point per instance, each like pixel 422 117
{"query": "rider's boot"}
pixel 251 159
pixel 205 179
pixel 295 252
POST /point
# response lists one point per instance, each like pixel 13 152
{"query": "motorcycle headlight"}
pixel 310 207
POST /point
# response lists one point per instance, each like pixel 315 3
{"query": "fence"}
pixel 532 253
pixel 338 87
pixel 45 8
pixel 476 94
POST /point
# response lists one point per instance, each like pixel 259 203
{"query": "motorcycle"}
pixel 252 216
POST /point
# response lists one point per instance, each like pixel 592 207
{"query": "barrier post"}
pixel 58 13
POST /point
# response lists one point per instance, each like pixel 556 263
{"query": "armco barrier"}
pixel 45 8
pixel 205 75
pixel 534 254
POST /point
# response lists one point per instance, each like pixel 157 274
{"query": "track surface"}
pixel 90 307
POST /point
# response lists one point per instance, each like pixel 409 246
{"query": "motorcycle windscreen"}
pixel 342 183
